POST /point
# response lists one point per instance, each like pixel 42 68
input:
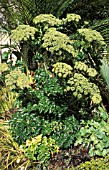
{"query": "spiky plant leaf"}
pixel 105 71
pixel 11 155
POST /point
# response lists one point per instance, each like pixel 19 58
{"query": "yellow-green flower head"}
pixel 91 35
pixel 96 98
pixel 92 72
pixel 80 86
pixel 72 17
pixel 17 78
pixel 23 81
pixel 86 22
pixel 55 42
pixel 47 19
pixel 23 32
pixel 62 69
pixel 81 66
pixel 3 67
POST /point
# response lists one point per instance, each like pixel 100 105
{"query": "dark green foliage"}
pixel 103 27
pixel 48 95
pixel 25 124
pixel 64 132
pixel 27 96
pixel 90 10
pixel 45 81
pixel 44 112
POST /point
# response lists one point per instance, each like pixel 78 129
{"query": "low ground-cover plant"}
pixel 94 164
pixel 40 149
pixel 94 134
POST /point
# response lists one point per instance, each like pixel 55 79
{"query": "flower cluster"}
pixel 56 42
pixel 83 67
pixel 48 19
pixel 91 35
pixel 80 86
pixel 23 32
pixel 72 17
pixel 3 67
pixel 62 69
pixel 16 79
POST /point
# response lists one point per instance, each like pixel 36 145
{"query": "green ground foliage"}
pixel 98 164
